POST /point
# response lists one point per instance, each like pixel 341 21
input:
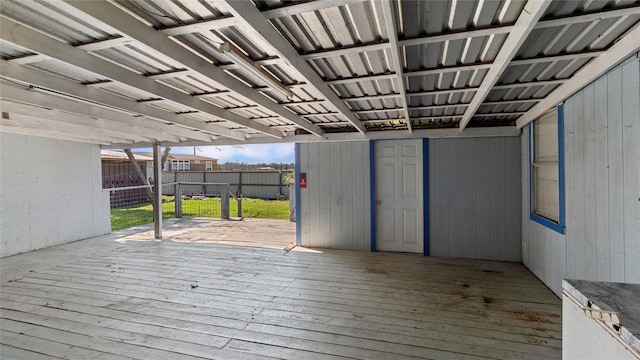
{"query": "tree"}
pixel 140 174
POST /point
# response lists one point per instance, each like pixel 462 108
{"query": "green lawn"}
pixel 251 208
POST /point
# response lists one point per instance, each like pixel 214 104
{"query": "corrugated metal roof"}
pixel 342 71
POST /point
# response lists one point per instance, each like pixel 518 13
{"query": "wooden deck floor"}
pixel 194 295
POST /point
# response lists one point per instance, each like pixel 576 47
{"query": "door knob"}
pixel 378 202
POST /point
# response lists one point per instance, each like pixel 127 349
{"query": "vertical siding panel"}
pixel 356 186
pixel 498 251
pixel 366 163
pixel 314 186
pixel 579 188
pixel 469 171
pixel 441 191
pixel 454 185
pixel 549 257
pixel 513 200
pixel 524 152
pixel 569 186
pixel 616 185
pixel 536 246
pixel 347 197
pixel 483 198
pixel 589 184
pixel 324 179
pixel 336 195
pixel 602 181
pixel 631 166
pixel 433 185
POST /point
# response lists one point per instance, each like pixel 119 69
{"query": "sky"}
pixel 249 154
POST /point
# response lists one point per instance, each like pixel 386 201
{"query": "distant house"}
pixel 185 162
pixel 117 171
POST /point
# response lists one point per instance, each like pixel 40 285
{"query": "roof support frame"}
pixel 622 49
pixel 253 20
pixel 398 63
pixel 115 17
pixel 35 41
pixel 102 117
pixel 181 124
pixel 53 121
pixel 531 13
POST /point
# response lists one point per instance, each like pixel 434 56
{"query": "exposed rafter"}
pixel 199 25
pixel 618 52
pixel 532 12
pixel 478 32
pixel 398 63
pixel 304 6
pixel 100 118
pixel 252 19
pixel 117 18
pixel 35 41
pixel 181 125
pixel 36 118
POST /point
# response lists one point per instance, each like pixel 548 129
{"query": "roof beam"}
pixel 532 12
pixel 54 120
pixel 457 35
pixel 622 49
pixel 529 83
pixel 633 9
pixel 305 6
pixel 181 124
pixel 447 69
pixel 55 102
pixel 254 20
pixel 362 78
pixel 15 127
pixel 219 22
pixel 14 32
pixel 114 16
pixel 478 32
pixel 346 50
pixel 354 136
pixel 398 63
pixel 119 19
pixel 556 58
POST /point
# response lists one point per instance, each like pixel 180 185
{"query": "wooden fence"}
pixel 252 184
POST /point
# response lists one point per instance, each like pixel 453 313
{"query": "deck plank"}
pixel 195 296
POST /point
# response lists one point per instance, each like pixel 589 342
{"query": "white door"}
pixel 399 203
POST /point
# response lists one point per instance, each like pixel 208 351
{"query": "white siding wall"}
pixel 335 208
pixel 602 184
pixel 474 195
pixel 50 193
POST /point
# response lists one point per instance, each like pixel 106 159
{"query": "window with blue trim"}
pixel 547 170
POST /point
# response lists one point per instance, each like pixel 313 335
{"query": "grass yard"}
pixel 251 208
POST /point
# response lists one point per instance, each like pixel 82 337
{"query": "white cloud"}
pixel 260 153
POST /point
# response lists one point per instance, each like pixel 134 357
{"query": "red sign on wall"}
pixel 303 180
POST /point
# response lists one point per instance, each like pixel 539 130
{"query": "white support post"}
pixel 157 191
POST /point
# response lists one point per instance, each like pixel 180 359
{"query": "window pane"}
pixel 546 192
pixel 545 138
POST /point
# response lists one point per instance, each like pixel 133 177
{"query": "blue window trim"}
pixel 560 226
pixel 372 182
pixel 298 215
pixel 425 193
